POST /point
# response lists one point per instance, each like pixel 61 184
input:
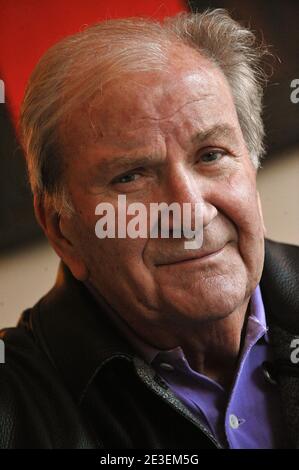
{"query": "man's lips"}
pixel 185 258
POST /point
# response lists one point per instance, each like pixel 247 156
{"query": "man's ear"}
pixel 53 225
pixel 261 212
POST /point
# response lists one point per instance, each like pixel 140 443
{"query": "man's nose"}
pixel 185 186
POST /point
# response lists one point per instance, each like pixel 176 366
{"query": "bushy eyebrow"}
pixel 215 132
pixel 122 163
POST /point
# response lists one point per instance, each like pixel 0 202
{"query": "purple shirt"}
pixel 246 417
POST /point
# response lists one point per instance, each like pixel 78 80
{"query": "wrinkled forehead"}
pixel 192 88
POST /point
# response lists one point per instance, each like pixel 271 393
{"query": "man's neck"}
pixel 211 349
pixel 215 350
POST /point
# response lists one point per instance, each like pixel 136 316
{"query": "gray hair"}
pixel 74 70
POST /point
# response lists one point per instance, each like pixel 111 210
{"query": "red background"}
pixel 29 27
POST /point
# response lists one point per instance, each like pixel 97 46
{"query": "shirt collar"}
pixel 257 313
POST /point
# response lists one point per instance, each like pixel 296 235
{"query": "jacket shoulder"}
pixel 278 255
pixel 279 284
pixel 35 407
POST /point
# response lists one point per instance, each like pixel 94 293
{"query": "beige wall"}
pixel 278 183
pixel 28 274
pixel 25 276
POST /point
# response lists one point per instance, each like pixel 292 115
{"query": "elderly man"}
pixel 143 343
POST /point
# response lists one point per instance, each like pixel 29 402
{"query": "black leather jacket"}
pixel 72 381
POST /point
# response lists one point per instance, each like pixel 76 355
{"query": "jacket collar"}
pixel 79 337
pixel 279 285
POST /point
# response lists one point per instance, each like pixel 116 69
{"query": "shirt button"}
pixel 233 421
pixel 166 366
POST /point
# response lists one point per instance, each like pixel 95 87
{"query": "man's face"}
pixel 170 136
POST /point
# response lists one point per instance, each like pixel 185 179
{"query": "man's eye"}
pixel 212 156
pixel 129 178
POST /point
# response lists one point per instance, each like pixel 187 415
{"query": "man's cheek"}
pixel 243 201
